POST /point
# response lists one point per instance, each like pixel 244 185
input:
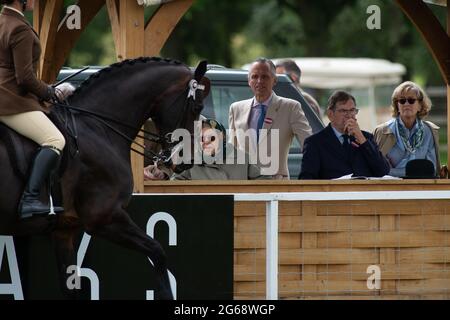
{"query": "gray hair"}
pixel 268 62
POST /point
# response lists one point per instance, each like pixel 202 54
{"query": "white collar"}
pixel 14 9
pixel 266 103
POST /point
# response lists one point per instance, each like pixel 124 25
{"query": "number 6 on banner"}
pixel 155 218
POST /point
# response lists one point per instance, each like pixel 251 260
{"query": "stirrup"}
pixel 50 210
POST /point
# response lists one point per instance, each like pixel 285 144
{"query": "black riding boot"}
pixel 45 162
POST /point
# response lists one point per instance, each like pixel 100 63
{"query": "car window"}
pixel 220 99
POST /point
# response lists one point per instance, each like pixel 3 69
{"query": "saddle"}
pixel 18 149
pixel 21 150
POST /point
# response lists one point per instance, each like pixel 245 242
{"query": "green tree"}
pixel 207 30
pixel 278 31
pixel 397 40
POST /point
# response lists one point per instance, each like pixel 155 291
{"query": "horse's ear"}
pixel 207 83
pixel 200 70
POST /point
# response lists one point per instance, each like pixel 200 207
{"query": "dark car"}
pixel 228 86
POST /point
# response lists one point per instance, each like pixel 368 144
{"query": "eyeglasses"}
pixel 208 139
pixel 410 100
pixel 349 112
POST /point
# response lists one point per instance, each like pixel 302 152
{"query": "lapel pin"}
pixel 268 120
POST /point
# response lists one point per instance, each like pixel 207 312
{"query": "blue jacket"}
pixel 325 158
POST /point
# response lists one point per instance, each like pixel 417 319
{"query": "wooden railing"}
pixel 325 247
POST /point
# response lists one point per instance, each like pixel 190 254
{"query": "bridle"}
pixel 164 156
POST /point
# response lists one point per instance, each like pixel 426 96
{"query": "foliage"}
pixel 207 30
pixel 234 32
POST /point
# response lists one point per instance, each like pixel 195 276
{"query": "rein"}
pixel 163 156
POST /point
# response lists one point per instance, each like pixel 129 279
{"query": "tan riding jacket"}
pixel 20 49
pixel 385 139
pixel 283 114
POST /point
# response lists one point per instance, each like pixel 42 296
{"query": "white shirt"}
pixel 339 135
pixel 14 9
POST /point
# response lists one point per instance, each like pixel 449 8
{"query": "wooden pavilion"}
pixel 319 244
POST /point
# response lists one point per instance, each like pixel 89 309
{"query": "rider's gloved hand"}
pixel 51 95
pixel 64 90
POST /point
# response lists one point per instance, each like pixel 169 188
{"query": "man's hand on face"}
pixel 352 129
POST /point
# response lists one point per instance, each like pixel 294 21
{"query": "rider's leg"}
pixel 37 127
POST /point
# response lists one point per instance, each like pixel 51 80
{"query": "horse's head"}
pixel 185 104
pixel 130 92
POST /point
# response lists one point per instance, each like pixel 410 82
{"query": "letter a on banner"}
pixel 15 287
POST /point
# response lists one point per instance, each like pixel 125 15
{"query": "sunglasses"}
pixel 208 139
pixel 410 100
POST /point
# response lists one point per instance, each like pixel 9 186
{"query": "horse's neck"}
pixel 129 96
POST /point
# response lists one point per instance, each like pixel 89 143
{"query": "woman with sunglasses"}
pixel 221 161
pixel 408 136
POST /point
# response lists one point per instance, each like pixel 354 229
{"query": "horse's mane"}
pixel 94 78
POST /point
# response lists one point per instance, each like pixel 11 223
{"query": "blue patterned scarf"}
pixel 413 143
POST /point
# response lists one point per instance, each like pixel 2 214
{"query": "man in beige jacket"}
pixel 279 118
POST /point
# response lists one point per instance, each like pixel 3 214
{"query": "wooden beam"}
pixel 131 17
pixel 47 36
pixel 38 15
pixel 448 124
pixel 431 30
pixel 162 23
pixel 113 12
pixel 67 38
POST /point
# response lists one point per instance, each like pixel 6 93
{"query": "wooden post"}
pixel 161 24
pixel 38 15
pixel 131 17
pixel 48 30
pixel 448 86
pixel 113 12
pixel 434 34
pixel 56 39
pixel 436 39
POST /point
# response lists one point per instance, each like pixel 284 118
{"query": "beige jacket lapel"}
pixel 246 108
pixel 387 140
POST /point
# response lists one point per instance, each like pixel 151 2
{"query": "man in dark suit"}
pixel 342 148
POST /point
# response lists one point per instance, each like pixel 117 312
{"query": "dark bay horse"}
pixel 97 181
